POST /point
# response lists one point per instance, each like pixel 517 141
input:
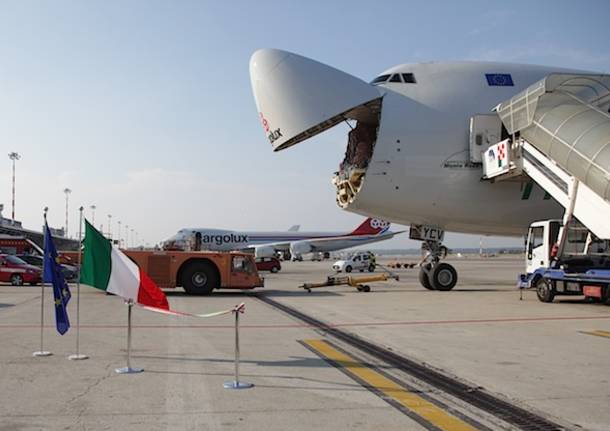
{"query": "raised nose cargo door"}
pixel 298 98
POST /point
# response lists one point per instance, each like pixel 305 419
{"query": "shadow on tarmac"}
pixel 296 361
pixel 343 386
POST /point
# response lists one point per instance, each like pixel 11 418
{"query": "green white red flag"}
pixel 105 267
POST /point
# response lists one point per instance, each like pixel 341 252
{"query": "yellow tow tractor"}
pixel 351 280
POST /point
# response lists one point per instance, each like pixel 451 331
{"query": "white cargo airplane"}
pixel 291 243
pixel 414 150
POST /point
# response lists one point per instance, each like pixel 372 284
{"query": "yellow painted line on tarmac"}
pixel 598 333
pixel 416 404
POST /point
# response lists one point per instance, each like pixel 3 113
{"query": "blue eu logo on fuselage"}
pixel 499 79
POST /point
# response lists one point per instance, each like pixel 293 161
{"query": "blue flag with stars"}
pixel 53 274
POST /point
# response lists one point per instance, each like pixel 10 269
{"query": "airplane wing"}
pixel 350 240
pixel 294 228
pixel 322 244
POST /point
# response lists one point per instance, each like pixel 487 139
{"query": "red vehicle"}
pixel 268 264
pixel 17 272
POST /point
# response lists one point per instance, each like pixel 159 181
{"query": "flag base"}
pixel 128 370
pixel 78 357
pixel 42 353
pixel 237 385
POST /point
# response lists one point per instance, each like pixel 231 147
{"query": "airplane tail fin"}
pixel 372 226
pixel 294 228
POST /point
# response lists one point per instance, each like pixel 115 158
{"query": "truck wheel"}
pixel 348 268
pixel 371 268
pixel 443 277
pixel 274 269
pixel 200 278
pixel 424 280
pixel 17 280
pixel 545 291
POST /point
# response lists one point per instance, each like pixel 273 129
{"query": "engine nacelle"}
pixel 300 247
pixel 264 251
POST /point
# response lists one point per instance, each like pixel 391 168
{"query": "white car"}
pixel 359 261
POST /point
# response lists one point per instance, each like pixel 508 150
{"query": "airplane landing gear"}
pixel 433 274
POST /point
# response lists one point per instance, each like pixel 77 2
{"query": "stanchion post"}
pixel 42 351
pixel 236 384
pixel 128 369
pixel 78 356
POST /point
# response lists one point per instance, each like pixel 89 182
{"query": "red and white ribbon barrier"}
pixel 240 308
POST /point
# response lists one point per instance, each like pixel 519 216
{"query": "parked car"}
pixel 70 272
pixel 268 264
pixel 361 261
pixel 18 272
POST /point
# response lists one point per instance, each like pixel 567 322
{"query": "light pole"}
pixel 93 207
pixel 109 226
pixel 126 236
pixel 119 237
pixel 67 191
pixel 13 156
pixel 132 239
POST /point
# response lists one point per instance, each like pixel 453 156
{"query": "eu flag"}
pixel 52 274
pixel 499 80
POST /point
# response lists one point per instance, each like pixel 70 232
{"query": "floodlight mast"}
pixel 14 157
pixel 93 207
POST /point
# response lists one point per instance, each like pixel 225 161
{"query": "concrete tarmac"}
pixel 542 357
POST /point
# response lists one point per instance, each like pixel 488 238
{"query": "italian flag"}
pixel 105 267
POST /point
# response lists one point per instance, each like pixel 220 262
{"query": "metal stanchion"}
pixel 128 369
pixel 236 384
pixel 42 351
pixel 78 356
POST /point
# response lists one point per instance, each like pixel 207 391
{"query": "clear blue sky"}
pixel 144 108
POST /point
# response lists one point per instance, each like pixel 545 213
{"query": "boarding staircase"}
pixel 560 138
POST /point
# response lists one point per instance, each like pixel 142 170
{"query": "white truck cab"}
pixel 541 237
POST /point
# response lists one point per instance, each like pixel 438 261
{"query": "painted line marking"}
pixel 330 325
pixel 598 333
pixel 381 384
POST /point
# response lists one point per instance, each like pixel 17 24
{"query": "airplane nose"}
pixel 298 98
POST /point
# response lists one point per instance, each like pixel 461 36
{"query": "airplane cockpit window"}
pixel 409 78
pixel 395 78
pixel 380 79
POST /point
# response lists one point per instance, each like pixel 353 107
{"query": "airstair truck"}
pixel 559 137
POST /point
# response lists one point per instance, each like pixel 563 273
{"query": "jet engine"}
pixel 299 248
pixel 264 251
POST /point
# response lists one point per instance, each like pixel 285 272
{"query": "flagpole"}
pixel 128 369
pixel 78 356
pixel 42 351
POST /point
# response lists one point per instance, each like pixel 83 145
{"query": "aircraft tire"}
pixel 424 280
pixel 348 268
pixel 443 277
pixel 545 290
pixel 200 278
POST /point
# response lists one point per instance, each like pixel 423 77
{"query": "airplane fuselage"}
pixel 420 170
